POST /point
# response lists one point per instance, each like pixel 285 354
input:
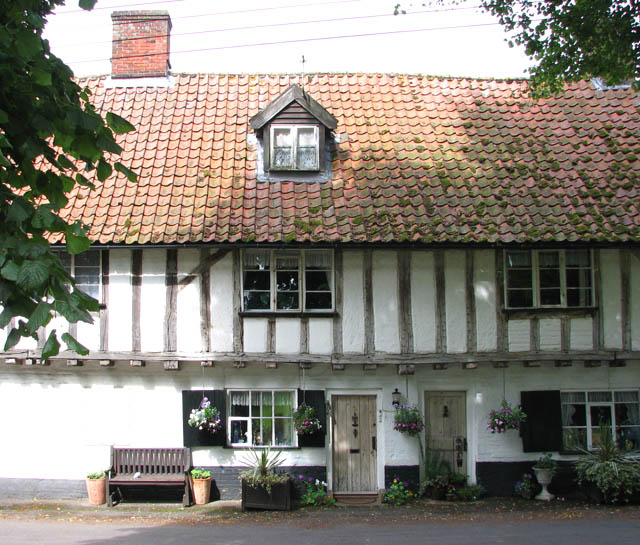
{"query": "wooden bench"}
pixel 149 467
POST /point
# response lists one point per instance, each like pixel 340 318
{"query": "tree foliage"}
pixel 51 140
pixel 571 40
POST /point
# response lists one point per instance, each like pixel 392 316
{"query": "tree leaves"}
pixel 119 124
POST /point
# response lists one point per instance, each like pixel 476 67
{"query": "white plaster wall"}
pixel 153 300
pixel 455 300
pixel 385 301
pixel 519 335
pixel 255 334
pixel 634 303
pixel 287 335
pixel 550 334
pixel 353 302
pixel 581 334
pixel 221 285
pixel 423 301
pixel 320 335
pixel 88 334
pixel 120 297
pixel 188 323
pixel 611 298
pixel 484 288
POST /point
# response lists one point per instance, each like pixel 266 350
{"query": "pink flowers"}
pixel 505 418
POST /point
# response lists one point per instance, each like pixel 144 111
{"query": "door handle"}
pixel 354 451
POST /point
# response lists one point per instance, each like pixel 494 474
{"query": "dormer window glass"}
pixel 295 147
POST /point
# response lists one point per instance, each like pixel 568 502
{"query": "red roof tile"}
pixel 416 159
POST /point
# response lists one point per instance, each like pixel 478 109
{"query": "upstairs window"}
pixel 295 147
pixel 549 278
pixel 287 280
pixel 85 270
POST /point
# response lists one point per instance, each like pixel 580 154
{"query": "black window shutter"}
pixel 315 399
pixel 193 437
pixel 542 431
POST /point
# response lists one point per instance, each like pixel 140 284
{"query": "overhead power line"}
pixel 302 40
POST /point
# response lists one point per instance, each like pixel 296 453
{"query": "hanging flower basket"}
pixel 305 420
pixel 205 417
pixel 505 418
pixel 408 420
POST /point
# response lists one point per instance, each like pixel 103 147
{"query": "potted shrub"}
pixel 505 418
pixel 263 487
pixel 436 475
pixel 201 485
pixel 544 469
pixel 97 487
pixel 611 475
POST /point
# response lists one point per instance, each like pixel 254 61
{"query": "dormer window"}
pixel 295 147
pixel 293 132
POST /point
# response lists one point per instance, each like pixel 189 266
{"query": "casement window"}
pixel 583 414
pixel 84 268
pixel 284 281
pixel 571 420
pixel 261 418
pixel 295 147
pixel 548 278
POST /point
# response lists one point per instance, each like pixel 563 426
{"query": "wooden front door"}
pixel 446 418
pixel 354 443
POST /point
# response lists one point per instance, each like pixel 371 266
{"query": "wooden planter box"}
pixel 258 498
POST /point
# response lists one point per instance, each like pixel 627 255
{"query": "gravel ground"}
pixel 507 510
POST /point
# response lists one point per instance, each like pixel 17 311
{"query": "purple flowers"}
pixel 505 418
pixel 205 417
pixel 408 420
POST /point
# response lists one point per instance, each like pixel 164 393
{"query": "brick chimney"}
pixel 140 44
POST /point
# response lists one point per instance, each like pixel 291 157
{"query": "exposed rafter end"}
pixel 532 364
pixel 501 364
pixel 369 366
pixel 439 366
pixel 593 363
pixel 305 365
pixel 12 361
pixel 74 363
pixel 563 363
pixel 106 363
pixel 206 363
pixel 34 361
pixel 338 366
pixel 406 369
pixel 617 363
pixel 271 365
pixel 172 365
pixel 470 365
pixel 239 364
pixel 136 363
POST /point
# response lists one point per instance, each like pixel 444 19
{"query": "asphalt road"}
pixel 599 531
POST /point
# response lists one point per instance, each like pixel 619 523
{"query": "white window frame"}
pixel 588 404
pixel 294 142
pixel 73 269
pixel 535 272
pixel 302 289
pixel 249 419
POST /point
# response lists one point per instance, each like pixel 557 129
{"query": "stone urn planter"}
pixel 544 477
pixel 97 488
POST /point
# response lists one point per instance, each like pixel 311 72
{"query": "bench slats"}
pixel 153 466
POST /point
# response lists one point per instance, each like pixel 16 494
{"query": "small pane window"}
pixel 294 147
pixel 261 417
pixel 85 270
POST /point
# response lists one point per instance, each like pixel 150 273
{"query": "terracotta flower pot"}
pixel 97 491
pixel 201 490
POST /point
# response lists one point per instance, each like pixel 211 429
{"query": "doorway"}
pixel 446 419
pixel 354 443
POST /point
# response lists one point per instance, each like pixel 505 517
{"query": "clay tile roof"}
pixel 413 159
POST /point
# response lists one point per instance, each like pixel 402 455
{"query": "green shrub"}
pixel 200 473
pixel 398 493
pixel 97 475
pixel 315 493
pixel 470 493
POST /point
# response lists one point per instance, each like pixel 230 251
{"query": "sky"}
pixel 273 36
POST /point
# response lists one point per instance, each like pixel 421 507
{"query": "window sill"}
pixel 286 314
pixel 259 447
pixel 550 311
